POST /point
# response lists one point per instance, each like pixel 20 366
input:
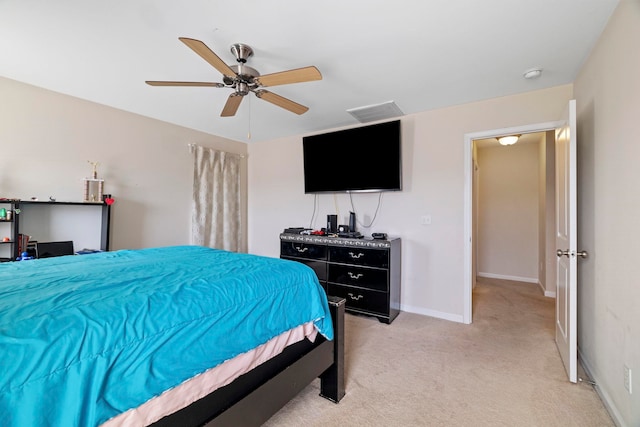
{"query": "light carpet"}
pixel 502 370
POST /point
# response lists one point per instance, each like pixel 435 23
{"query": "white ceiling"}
pixel 422 54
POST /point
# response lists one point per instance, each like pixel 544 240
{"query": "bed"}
pixel 98 339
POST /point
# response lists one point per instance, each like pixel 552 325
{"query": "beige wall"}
pixel 608 105
pixel 46 140
pixel 508 201
pixel 433 161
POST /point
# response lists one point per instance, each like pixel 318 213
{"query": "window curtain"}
pixel 215 217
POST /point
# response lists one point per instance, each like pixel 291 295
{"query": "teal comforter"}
pixel 84 338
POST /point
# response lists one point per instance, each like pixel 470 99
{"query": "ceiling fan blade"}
pixel 298 75
pixel 230 108
pixel 207 54
pixel 281 101
pixel 163 83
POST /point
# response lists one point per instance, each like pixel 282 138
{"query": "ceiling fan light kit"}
pixel 244 79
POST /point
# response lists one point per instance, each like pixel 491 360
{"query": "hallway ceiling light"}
pixel 508 140
pixel 533 73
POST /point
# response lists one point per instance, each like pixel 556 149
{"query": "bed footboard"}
pixel 332 380
pixel 325 361
pixel 254 397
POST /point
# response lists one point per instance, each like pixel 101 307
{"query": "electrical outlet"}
pixel 425 219
pixel 627 378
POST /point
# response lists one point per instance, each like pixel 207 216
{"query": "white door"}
pixel 566 242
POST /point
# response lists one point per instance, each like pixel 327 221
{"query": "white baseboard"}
pixel 604 396
pixel 550 294
pixel 505 277
pixel 432 313
pixel 546 293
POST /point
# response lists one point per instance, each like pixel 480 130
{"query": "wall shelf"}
pixel 56 221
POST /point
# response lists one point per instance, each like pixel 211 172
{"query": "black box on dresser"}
pixel 366 272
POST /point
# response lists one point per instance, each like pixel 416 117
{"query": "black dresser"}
pixel 363 271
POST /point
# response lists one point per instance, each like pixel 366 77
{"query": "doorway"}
pixel 471 250
pixel 510 199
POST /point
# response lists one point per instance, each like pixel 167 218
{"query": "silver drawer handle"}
pixel 354 256
pixel 354 276
pixel 302 250
pixel 355 298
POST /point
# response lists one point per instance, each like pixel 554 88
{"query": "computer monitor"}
pixel 51 249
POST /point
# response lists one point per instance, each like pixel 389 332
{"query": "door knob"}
pixel 582 254
pixel 568 253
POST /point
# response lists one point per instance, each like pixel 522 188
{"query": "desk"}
pixel 86 224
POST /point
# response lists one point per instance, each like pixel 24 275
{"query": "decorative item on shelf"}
pixel 23 242
pixel 93 187
pixel 24 256
pixel 3 214
pixel 108 199
pixel 94 171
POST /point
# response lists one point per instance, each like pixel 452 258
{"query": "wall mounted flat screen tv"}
pixel 367 158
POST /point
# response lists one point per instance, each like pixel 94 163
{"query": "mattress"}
pixel 85 338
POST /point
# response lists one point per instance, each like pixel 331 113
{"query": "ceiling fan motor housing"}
pixel 244 80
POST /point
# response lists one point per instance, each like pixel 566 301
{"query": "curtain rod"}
pixel 193 146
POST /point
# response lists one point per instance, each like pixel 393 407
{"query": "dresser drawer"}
pixel 361 299
pixel 348 255
pixel 303 250
pixel 319 267
pixel 370 278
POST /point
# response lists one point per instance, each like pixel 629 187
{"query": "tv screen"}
pixel 367 158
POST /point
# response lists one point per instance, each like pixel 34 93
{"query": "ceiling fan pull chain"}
pixel 249 133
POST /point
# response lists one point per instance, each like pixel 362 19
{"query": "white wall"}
pixel 608 106
pixel 433 161
pixel 47 139
pixel 508 208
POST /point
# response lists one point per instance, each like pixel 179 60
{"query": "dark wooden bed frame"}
pixel 254 397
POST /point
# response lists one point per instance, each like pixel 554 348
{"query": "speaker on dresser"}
pixel 332 223
pixel 352 221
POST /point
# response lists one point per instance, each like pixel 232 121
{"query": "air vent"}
pixel 371 113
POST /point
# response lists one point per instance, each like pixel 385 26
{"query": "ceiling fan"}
pixel 244 79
